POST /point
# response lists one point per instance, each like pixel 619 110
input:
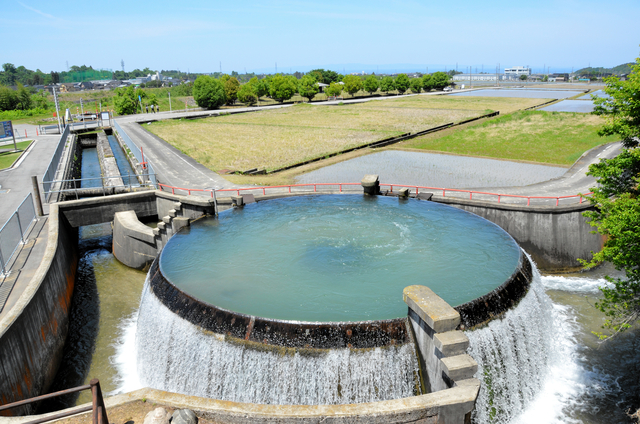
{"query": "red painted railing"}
pixel 498 195
pixel 391 186
pixel 263 189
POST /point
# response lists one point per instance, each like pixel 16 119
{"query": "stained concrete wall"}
pixel 33 333
pixel 554 236
pixel 446 407
pixel 442 348
pixel 134 244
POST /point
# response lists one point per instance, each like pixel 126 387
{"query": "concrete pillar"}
pixel 442 348
pixel 371 184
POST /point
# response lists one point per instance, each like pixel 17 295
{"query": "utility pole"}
pixel 276 67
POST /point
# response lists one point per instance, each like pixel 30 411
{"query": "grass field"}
pixel 8 158
pixel 276 138
pixel 544 137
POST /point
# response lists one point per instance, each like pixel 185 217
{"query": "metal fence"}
pixel 50 173
pixel 14 231
pixel 136 152
pixel 81 186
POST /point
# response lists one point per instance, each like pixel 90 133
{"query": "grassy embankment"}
pixel 276 138
pixel 556 138
pixel 8 158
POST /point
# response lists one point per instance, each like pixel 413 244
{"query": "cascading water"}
pixel 177 356
pixel 526 362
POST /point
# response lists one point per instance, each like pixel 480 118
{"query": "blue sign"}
pixel 6 130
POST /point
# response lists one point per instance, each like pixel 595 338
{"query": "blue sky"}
pixel 302 35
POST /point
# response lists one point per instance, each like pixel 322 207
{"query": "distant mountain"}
pixel 625 68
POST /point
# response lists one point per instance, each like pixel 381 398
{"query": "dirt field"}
pixel 276 138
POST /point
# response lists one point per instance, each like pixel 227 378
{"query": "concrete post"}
pixel 371 185
pixel 442 348
pixel 36 194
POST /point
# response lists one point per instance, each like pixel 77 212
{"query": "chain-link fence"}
pixel 50 173
pixel 136 152
pixel 14 231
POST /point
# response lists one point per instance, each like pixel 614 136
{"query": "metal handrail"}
pixel 499 195
pixel 264 189
pixel 102 187
pixel 391 186
pixel 97 404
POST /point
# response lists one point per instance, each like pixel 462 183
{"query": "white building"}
pixel 517 71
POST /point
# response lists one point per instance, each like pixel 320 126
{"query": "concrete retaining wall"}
pixel 554 236
pixel 33 333
pixel 446 407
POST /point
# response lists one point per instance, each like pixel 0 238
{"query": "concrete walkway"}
pixel 573 182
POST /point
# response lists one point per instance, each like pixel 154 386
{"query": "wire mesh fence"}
pixel 136 152
pixel 13 233
pixel 50 173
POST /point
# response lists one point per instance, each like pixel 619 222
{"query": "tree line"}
pixel 210 92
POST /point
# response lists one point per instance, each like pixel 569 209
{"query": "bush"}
pixel 208 92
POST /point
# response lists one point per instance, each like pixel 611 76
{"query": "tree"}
pixel 126 101
pixel 416 85
pixel 427 82
pixel 262 88
pixel 208 92
pixel 352 84
pixel 387 84
pixel 440 80
pixel 523 77
pixel 9 74
pixel 231 87
pixel 247 93
pixel 8 98
pixel 371 84
pixel 402 83
pixel 282 88
pixel 617 213
pixel 308 87
pixel 334 89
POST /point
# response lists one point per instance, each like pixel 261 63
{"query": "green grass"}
pixel 557 138
pixel 8 158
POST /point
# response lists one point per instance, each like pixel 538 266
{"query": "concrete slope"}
pixel 574 181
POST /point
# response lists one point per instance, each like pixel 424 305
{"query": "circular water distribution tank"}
pixel 337 258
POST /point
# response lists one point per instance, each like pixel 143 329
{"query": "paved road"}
pixel 17 181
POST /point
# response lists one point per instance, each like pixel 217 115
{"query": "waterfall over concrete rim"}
pixel 526 362
pixel 175 355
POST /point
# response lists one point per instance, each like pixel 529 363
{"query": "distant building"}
pixel 516 71
pixel 476 77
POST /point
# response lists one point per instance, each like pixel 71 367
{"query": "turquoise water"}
pixel 337 258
